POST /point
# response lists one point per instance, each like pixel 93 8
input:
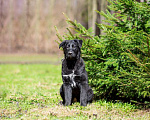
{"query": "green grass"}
pixel 32 92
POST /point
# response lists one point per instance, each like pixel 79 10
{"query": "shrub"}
pixel 118 62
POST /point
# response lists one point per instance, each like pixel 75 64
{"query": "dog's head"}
pixel 71 48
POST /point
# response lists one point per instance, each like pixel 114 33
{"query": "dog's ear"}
pixel 79 42
pixel 62 44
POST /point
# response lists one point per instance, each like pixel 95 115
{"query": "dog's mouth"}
pixel 70 57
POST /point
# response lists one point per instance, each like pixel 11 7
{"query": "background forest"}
pixel 27 26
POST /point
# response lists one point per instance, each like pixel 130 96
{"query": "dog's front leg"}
pixel 83 94
pixel 68 94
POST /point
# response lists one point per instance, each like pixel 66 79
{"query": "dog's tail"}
pixel 90 96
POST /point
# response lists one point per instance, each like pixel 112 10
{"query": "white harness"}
pixel 71 76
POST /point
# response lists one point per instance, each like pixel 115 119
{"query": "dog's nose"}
pixel 70 53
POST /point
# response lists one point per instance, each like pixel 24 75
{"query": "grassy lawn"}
pixel 31 91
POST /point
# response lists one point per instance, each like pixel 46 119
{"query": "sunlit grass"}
pixel 32 92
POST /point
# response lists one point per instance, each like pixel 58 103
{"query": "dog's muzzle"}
pixel 70 55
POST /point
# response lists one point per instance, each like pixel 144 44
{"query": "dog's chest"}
pixel 71 76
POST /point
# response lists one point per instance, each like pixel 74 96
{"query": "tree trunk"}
pixel 68 8
pixel 10 29
pixel 101 6
pixel 98 20
pixel 1 15
pixel 1 23
pixel 47 40
pixel 37 27
pixel 92 14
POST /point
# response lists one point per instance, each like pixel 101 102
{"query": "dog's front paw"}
pixel 83 104
pixel 67 104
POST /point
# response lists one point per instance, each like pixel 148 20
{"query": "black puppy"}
pixel 74 76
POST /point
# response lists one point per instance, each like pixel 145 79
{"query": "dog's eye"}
pixel 73 46
pixel 68 46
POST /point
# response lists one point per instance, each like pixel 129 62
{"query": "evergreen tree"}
pixel 118 62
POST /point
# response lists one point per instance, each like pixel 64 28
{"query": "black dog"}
pixel 74 76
